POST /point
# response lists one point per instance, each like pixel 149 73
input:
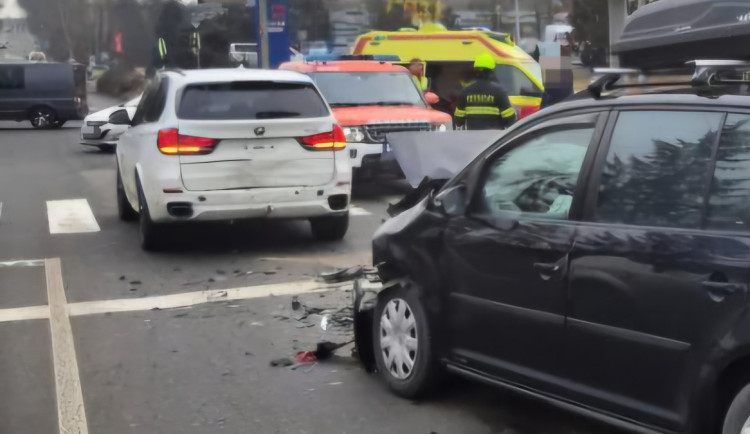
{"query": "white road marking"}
pixel 24 313
pixel 70 217
pixel 198 297
pixel 185 299
pixel 71 415
pixel 23 263
pixel 1 209
pixel 357 211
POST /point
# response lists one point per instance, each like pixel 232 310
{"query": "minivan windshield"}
pixel 368 88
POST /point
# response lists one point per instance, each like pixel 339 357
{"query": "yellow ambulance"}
pixel 449 56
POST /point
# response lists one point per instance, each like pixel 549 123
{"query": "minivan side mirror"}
pixel 431 98
pixel 451 201
pixel 120 117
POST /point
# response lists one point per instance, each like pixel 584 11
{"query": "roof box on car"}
pixel 668 33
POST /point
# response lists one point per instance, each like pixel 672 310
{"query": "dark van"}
pixel 46 94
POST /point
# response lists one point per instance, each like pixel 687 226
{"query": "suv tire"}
pixel 737 419
pixel 124 210
pixel 330 228
pixel 150 236
pixel 402 311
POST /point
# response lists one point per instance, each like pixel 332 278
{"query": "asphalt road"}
pixel 109 357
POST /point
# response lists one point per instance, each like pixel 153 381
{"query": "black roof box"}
pixel 668 33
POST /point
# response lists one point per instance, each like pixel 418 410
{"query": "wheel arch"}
pixel 729 380
pixel 31 109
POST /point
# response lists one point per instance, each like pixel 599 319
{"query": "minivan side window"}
pixel 11 77
pixel 538 176
pixel 729 198
pixel 656 168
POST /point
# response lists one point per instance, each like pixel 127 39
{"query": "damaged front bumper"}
pixel 366 292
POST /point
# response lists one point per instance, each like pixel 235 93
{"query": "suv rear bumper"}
pixel 282 202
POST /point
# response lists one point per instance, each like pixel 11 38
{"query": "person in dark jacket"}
pixel 483 104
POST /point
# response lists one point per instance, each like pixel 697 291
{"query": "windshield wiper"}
pixel 391 103
pixel 276 115
pixel 344 104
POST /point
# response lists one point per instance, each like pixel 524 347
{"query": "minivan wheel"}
pixel 124 210
pixel 403 344
pixel 330 228
pixel 43 117
pixel 150 236
pixel 737 420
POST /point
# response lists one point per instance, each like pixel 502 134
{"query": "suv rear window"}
pixel 251 100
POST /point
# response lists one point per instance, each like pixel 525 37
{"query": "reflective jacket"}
pixel 483 105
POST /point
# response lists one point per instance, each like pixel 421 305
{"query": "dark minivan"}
pixel 596 257
pixel 46 94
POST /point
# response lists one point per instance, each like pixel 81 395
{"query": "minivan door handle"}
pixel 548 270
pixel 725 288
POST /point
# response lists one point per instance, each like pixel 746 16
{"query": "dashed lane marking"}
pixel 71 415
pixel 198 297
pixel 23 263
pixel 24 313
pixel 184 299
pixel 71 216
pixel 357 211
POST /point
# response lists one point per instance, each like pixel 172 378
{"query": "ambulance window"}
pixel 514 80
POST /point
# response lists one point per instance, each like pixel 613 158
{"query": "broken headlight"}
pixel 447 126
pixel 354 134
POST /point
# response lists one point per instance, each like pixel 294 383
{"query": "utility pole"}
pixel 265 60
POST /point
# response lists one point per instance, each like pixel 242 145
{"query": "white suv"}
pixel 227 144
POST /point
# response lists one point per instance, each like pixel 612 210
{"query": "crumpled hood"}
pixel 438 155
pixel 103 115
pixel 350 116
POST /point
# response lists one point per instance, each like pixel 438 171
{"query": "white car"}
pixel 103 128
pixel 227 144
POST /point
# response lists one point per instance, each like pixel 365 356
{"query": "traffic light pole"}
pixel 265 61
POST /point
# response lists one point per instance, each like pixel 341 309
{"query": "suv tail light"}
pixel 171 142
pixel 331 141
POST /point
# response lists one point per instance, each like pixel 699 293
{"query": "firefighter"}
pixel 483 104
pixel 416 68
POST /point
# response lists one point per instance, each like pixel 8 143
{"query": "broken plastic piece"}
pixel 306 357
pixel 342 274
pixel 283 362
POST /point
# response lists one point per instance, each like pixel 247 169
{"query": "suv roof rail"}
pixel 706 73
pixel 175 70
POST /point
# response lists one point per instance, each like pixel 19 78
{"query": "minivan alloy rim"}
pixel 398 338
pixel 41 119
pixel 746 427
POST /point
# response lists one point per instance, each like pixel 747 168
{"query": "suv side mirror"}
pixel 120 117
pixel 431 98
pixel 451 201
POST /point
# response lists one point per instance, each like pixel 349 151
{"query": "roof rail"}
pixel 175 70
pixel 707 73
pixel 716 72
